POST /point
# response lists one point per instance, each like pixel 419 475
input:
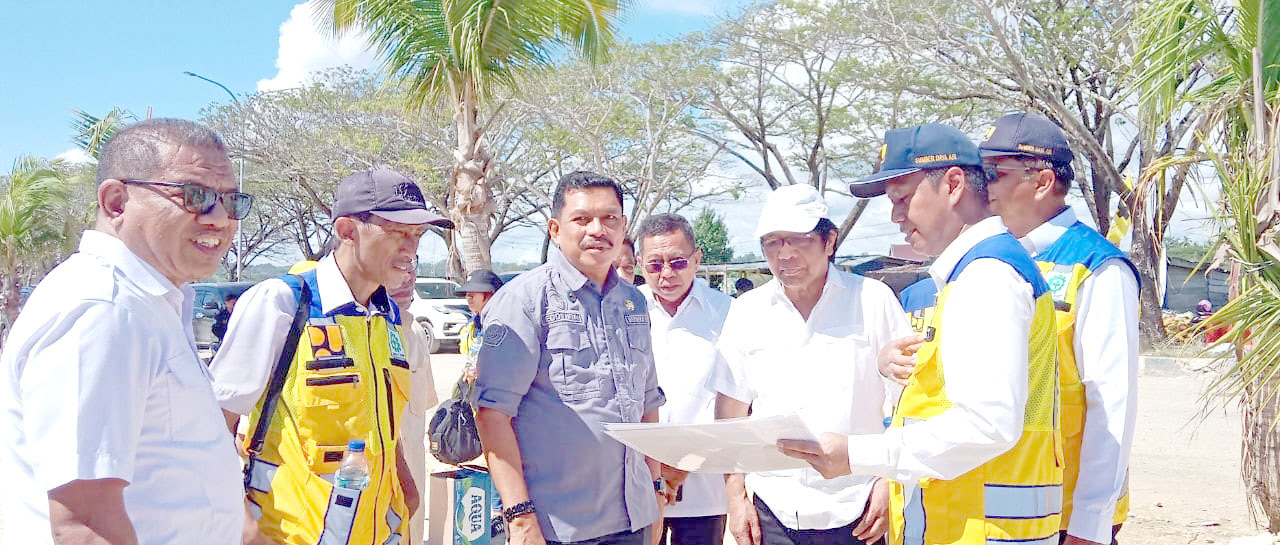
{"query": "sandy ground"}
pixel 1185 476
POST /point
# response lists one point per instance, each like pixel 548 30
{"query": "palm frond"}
pixel 92 132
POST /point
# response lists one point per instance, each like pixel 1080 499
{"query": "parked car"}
pixel 440 310
pixel 509 276
pixel 210 302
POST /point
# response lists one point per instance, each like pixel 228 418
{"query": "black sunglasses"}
pixel 677 264
pixel 199 199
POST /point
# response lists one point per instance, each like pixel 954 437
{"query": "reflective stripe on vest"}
pixel 1022 502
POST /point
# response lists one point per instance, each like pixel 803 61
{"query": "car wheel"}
pixel 433 344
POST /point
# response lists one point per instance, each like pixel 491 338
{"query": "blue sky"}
pixel 57 56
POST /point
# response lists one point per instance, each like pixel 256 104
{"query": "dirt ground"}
pixel 1185 475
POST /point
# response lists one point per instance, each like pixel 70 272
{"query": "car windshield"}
pixel 436 290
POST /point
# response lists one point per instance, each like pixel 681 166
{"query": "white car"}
pixel 440 310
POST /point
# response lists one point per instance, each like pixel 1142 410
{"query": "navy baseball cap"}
pixel 910 150
pixel 481 281
pixel 1026 135
pixel 387 194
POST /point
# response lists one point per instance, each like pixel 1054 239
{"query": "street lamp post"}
pixel 240 178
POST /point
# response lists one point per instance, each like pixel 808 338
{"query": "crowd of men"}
pixel 114 431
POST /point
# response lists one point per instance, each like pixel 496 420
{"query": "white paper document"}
pixel 742 445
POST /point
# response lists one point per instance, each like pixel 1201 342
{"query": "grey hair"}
pixel 661 224
pixel 141 150
pixel 974 177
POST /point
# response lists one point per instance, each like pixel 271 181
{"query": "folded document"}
pixel 743 445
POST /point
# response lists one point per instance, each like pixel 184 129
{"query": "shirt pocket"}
pixel 573 370
pixel 191 402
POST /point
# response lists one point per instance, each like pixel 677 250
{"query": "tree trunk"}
pixel 471 199
pixel 1260 461
pixel 1145 254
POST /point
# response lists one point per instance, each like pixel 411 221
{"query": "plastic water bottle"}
pixel 354 472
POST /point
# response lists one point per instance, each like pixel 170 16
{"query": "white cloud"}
pixel 74 155
pixel 306 48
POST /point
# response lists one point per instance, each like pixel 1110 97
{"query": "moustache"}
pixel 595 244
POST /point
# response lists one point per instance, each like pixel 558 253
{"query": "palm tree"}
pixel 1239 45
pixel 28 225
pixel 462 51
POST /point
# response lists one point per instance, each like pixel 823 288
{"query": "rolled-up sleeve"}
pixel 85 389
pixel 255 337
pixel 508 361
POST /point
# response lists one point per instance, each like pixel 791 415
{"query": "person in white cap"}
pixel 806 342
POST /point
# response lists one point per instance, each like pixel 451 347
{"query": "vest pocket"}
pixel 340 516
pixel 341 389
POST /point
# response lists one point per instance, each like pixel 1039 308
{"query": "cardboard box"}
pixel 469 511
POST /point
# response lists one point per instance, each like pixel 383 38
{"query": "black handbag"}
pixel 452 431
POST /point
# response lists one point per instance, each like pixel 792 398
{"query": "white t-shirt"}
pixel 684 351
pixel 101 380
pixel 825 370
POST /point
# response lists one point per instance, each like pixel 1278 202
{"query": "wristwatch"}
pixel 523 508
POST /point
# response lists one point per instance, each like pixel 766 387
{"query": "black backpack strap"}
pixel 281 370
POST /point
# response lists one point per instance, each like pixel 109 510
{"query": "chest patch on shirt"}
pixel 494 334
pixel 636 319
pixel 565 316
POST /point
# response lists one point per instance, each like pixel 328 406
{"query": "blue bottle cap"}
pixel 355 445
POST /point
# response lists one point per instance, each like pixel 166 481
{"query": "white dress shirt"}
pixel 984 349
pixel 101 380
pixel 824 369
pixel 413 428
pixel 1106 349
pixel 684 351
pixel 256 334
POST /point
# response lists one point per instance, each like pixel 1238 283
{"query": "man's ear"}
pixel 112 196
pixel 553 230
pixel 954 181
pixel 1046 183
pixel 345 228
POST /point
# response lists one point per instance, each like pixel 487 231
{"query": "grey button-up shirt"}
pixel 562 358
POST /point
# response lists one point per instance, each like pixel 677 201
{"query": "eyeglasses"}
pixel 199 199
pixel 677 264
pixel 800 240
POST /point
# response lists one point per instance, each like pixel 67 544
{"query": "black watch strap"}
pixel 523 508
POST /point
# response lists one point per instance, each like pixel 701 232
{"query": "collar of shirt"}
pixel 695 298
pixel 833 290
pixel 1043 236
pixel 335 293
pixel 574 277
pixel 950 257
pixel 114 252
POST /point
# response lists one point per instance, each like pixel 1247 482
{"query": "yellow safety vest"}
pixel 1064 281
pixel 348 380
pixel 1015 497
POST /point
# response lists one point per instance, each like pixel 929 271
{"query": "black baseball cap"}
pixel 910 150
pixel 387 194
pixel 1026 135
pixel 480 281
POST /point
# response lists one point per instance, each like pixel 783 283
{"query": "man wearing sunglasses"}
pixel 686 317
pixel 110 429
pixel 973 443
pixel 806 342
pixel 1095 289
pixel 349 377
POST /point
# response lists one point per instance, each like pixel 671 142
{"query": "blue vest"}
pixel 1082 244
